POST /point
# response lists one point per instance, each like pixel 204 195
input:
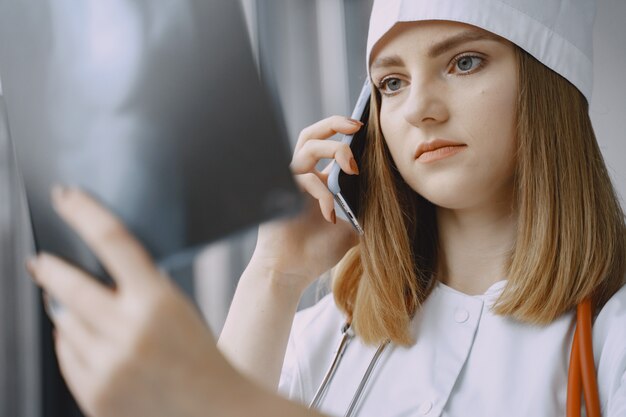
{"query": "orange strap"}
pixel 574 384
pixel 582 370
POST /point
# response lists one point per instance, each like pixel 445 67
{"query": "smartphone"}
pixel 346 188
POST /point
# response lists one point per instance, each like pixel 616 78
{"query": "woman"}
pixel 488 216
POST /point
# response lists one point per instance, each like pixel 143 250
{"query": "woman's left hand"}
pixel 141 349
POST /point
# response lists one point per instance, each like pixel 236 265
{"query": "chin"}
pixel 460 195
pixel 448 195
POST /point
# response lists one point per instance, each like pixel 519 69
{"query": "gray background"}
pixel 608 103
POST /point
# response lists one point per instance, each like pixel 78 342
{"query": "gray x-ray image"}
pixel 154 106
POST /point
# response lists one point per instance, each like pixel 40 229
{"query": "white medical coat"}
pixel 466 361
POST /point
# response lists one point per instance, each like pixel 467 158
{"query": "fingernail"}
pixel 354 166
pixel 333 217
pixel 355 122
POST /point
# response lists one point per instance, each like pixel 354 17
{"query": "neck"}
pixel 474 246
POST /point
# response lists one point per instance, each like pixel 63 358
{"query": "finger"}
pixel 77 291
pixel 78 333
pixel 72 366
pixel 314 186
pixel 120 253
pixel 326 128
pixel 312 151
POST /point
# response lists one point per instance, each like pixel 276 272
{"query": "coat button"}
pixel 461 316
pixel 425 408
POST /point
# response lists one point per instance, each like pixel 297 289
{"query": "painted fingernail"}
pixel 333 217
pixel 354 166
pixel 355 122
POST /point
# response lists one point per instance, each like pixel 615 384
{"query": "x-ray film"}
pixel 153 106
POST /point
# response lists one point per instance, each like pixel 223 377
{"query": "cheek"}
pixel 496 116
pixel 394 134
pixel 496 108
pixel 489 123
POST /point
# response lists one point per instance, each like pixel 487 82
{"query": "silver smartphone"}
pixel 347 189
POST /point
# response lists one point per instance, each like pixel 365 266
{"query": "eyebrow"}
pixel 441 47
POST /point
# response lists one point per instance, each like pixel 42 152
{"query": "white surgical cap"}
pixel 556 32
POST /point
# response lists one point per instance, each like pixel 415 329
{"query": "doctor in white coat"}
pixel 489 216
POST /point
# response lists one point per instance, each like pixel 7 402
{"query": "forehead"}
pixel 429 37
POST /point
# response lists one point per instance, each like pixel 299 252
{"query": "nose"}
pixel 426 103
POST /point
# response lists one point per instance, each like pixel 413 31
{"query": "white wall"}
pixel 608 103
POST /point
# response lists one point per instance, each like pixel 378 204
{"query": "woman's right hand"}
pixel 290 254
pixel 298 250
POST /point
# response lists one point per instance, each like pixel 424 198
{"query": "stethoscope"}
pixel 347 334
pixel 581 369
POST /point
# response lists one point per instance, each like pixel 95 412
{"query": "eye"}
pixel 390 85
pixel 467 64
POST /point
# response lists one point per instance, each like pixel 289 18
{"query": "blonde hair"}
pixel 571 235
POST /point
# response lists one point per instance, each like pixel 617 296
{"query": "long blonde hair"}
pixel 571 235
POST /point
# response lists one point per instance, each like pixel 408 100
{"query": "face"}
pixel 448 101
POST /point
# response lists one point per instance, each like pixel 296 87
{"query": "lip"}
pixel 437 149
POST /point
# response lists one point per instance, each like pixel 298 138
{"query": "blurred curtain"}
pixel 20 393
pixel 312 55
